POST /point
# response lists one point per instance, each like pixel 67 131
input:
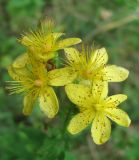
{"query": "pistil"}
pixel 38 83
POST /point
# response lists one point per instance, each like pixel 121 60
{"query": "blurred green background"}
pixel 111 24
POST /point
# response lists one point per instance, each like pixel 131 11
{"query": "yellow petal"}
pixel 80 121
pixel 18 74
pixel 72 55
pixel 51 39
pixel 114 73
pixel 45 57
pixel 37 67
pixel 61 77
pixel 53 36
pixel 29 101
pixel 115 100
pixel 67 42
pixel 49 103
pixel 13 74
pixel 101 129
pixel 98 58
pixel 119 116
pixel 79 95
pixel 99 90
pixel 86 82
pixel 57 35
pixel 20 61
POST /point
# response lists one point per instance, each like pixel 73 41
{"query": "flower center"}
pixel 87 74
pixel 38 83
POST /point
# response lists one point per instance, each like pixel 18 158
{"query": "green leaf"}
pixel 69 156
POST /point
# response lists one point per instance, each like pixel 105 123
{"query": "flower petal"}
pixel 57 35
pixel 51 39
pixel 49 103
pixel 20 61
pixel 67 42
pixel 18 74
pixel 80 121
pixel 29 101
pixel 119 116
pixel 98 58
pixel 79 95
pixel 72 55
pixel 101 129
pixel 114 73
pixel 115 100
pixel 37 67
pixel 61 77
pixel 99 90
pixel 13 74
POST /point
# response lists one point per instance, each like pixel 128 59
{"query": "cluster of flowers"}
pixel 85 77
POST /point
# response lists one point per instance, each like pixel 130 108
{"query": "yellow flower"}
pixel 95 107
pixel 92 66
pixel 43 43
pixel 32 78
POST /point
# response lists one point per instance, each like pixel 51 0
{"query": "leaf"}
pixel 69 156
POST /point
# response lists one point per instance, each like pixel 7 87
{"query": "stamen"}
pixel 14 87
pixel 87 74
